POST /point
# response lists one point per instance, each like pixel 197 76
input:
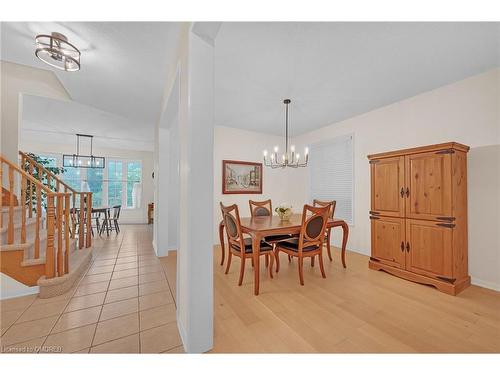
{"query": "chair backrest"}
pixel 312 231
pixel 318 203
pixel 116 211
pixel 231 217
pixel 263 208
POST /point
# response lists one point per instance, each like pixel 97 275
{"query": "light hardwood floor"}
pixel 352 310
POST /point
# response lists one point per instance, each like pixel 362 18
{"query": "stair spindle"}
pixel 23 209
pixel 31 192
pixel 38 217
pixel 10 229
pixel 81 222
pixel 50 250
pixel 89 220
pixel 66 232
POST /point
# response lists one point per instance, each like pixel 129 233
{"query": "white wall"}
pixel 127 216
pixel 279 185
pixel 467 112
pixel 17 80
pixel 10 288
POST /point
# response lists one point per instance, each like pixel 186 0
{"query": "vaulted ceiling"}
pixel 331 71
pixel 123 69
pixel 334 71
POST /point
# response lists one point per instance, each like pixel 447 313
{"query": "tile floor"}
pixel 123 304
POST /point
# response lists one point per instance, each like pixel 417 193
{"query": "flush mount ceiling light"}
pixel 83 161
pixel 55 50
pixel 288 159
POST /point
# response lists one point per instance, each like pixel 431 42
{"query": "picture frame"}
pixel 241 177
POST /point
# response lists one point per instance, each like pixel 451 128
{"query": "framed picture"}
pixel 241 177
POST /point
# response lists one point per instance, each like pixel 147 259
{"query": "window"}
pixel 95 181
pixel 72 176
pixel 51 159
pixel 120 183
pixel 115 185
pixel 134 172
pixel 331 174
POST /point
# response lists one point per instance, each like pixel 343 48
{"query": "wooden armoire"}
pixel 419 215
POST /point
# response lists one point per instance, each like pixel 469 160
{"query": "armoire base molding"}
pixel 445 287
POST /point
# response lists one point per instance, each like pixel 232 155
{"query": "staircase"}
pixel 41 240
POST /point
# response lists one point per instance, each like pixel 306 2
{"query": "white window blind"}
pixel 331 174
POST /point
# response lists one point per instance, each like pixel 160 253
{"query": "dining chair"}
pixel 262 208
pixel 318 203
pixel 239 245
pixel 96 216
pixel 310 240
pixel 112 222
pixel 265 208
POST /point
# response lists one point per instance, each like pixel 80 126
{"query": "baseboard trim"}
pixel 182 333
pixel 485 284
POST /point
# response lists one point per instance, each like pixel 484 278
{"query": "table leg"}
pixel 345 229
pixel 256 261
pixel 221 237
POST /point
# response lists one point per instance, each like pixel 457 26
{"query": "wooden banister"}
pixel 32 163
pixel 57 243
pixel 84 240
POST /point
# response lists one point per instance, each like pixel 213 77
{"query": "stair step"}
pixel 30 230
pixel 17 214
pixel 32 262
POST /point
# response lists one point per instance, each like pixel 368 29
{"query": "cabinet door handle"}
pixel 408 247
pixel 407 192
pixel 402 246
pixel 402 192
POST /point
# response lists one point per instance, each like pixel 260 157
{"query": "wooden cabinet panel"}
pixel 428 179
pixel 430 248
pixel 388 236
pixel 387 182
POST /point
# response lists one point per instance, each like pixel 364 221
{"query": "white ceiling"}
pixel 334 71
pixel 123 65
pixel 56 121
pixel 331 71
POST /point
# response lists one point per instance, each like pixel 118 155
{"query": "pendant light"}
pixel 290 158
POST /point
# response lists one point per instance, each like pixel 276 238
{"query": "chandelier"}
pixel 288 158
pixel 55 50
pixel 83 161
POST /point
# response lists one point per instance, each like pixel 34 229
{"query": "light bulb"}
pixel 283 157
pixel 97 162
pixel 265 153
pixel 79 162
pixel 70 162
pixel 292 148
pixel 276 148
pixel 88 162
pixel 306 151
pixel 297 157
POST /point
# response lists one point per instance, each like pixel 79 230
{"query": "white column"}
pixel 194 262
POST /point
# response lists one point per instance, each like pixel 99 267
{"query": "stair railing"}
pixel 57 250
pixel 83 208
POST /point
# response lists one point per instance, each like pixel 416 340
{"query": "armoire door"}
pixel 429 248
pixel 387 186
pixel 388 240
pixel 428 185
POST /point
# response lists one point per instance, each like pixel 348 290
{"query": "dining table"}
pixel 259 227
